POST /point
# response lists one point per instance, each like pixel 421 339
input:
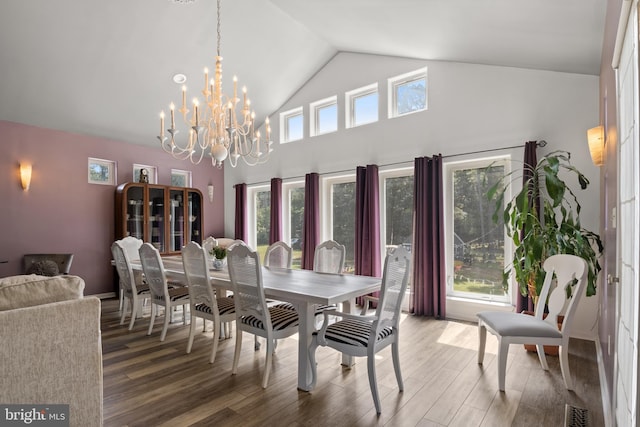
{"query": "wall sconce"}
pixel 210 188
pixel 25 176
pixel 595 137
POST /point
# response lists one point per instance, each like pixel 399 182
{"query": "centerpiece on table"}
pixel 219 257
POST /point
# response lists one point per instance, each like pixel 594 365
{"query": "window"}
pixel 397 208
pixel 180 178
pixel 362 106
pixel 476 246
pixel 408 93
pixel 339 224
pixel 293 214
pixel 324 116
pixel 101 171
pixel 261 198
pixel 152 173
pixel 291 125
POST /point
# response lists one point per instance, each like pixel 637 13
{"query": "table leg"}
pixel 305 331
pixel 348 307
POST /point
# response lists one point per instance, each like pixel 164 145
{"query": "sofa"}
pixel 51 350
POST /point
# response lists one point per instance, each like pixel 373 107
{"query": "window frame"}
pixel 285 116
pixel 153 172
pixel 111 168
pixel 394 82
pixel 252 214
pixel 350 98
pixel 449 169
pixel 183 173
pixel 314 112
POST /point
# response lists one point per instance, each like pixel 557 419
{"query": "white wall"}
pixel 470 107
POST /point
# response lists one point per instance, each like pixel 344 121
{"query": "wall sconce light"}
pixel 210 188
pixel 595 137
pixel 25 176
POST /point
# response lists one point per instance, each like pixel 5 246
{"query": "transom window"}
pixel 408 93
pixel 180 178
pixel 324 116
pixel 362 106
pixel 292 125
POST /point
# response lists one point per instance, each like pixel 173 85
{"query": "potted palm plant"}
pixel 543 219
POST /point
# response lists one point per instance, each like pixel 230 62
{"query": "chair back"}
pixel 568 270
pixel 154 272
pixel 246 281
pixel 208 244
pixel 278 255
pixel 123 267
pixel 329 257
pixel 131 246
pixel 395 278
pixel 194 260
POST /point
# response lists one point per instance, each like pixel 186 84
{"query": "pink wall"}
pixel 63 213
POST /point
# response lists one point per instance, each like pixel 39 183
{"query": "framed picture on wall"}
pixel 101 171
pixel 180 178
pixel 149 173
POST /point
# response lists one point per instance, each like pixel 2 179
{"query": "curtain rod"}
pixel 541 143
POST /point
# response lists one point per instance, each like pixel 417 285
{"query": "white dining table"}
pixel 302 288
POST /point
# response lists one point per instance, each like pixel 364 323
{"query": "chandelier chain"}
pixel 218 29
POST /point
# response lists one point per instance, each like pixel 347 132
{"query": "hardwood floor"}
pixel 149 383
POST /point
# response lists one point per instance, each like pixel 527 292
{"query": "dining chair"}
pixel 161 294
pixel 365 336
pixel 542 328
pixel 208 244
pixel 204 302
pixel 253 315
pixel 278 255
pixel 131 246
pixel 329 257
pixel 131 291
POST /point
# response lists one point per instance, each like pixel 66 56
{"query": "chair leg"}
pixel 121 296
pixel 267 363
pixel 503 352
pixel 216 338
pixel 236 354
pixel 542 357
pixel 312 361
pixel 134 313
pixel 152 319
pixel 165 327
pixel 371 368
pixel 564 367
pixel 123 310
pixel 256 343
pixel 482 338
pixel 192 332
pixel 395 353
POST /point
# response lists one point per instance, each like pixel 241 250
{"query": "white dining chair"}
pixel 253 315
pixel 204 302
pixel 365 336
pixel 541 329
pixel 161 294
pixel 132 293
pixel 278 255
pixel 329 257
pixel 208 244
pixel 131 246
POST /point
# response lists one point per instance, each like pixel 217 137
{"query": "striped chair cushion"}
pixel 225 306
pixel 353 332
pixel 280 319
pixel 176 294
pixel 318 308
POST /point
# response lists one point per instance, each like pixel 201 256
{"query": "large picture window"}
pixel 475 244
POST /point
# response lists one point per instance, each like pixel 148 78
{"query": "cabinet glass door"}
pixel 156 220
pixel 135 212
pixel 176 220
pixel 194 208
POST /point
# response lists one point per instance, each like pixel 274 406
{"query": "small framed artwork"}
pixel 145 174
pixel 101 171
pixel 180 178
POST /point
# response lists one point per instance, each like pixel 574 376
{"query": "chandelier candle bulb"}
pixel 173 122
pixel 235 90
pixel 161 124
pixel 206 81
pixel 184 97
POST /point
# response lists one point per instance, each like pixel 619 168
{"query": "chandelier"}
pixel 215 129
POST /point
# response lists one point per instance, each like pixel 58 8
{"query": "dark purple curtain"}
pixel 241 231
pixel 367 233
pixel 530 162
pixel 311 219
pixel 429 276
pixel 275 224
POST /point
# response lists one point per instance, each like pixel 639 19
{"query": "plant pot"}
pixel 219 264
pixel 549 350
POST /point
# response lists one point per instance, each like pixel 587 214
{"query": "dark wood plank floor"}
pixel 149 383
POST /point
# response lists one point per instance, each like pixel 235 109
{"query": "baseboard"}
pixel 604 390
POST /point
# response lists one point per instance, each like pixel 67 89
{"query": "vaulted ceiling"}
pixel 105 67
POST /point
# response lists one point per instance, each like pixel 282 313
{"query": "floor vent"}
pixel 575 417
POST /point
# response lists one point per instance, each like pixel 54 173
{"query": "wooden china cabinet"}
pixel 167 217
